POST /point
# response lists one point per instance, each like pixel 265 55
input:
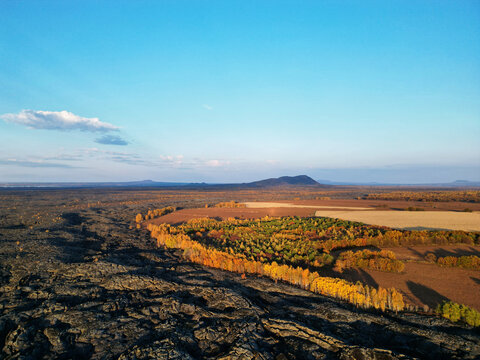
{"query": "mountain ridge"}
pixel 299 180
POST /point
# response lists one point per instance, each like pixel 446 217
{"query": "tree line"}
pixel 458 312
pixel 383 260
pixel 443 196
pixel 294 240
pixel 152 214
pixel 358 294
pixel 230 204
pixel 471 262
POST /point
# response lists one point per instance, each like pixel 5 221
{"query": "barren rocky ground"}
pixel 77 282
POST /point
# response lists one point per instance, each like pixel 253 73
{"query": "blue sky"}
pixel 239 90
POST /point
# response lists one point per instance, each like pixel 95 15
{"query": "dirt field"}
pixel 427 284
pixel 367 211
pixel 379 204
pixel 411 220
pixel 224 213
pixel 424 283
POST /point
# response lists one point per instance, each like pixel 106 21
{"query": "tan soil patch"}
pixel 428 283
pixel 411 220
pixel 224 213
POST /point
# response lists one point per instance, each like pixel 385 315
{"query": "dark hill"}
pixel 284 180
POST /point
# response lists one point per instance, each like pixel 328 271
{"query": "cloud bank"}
pixel 57 120
pixel 111 140
pixel 34 164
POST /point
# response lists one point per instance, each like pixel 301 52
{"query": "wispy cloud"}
pixel 34 164
pixel 216 163
pixel 207 107
pixel 111 140
pixel 57 120
pixel 117 156
pixel 93 156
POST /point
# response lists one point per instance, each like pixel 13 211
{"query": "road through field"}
pixel 411 220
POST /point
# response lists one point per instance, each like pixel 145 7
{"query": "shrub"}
pixel 230 204
pixel 458 312
pixel 431 258
pixel 376 260
pixel 151 214
pixel 471 262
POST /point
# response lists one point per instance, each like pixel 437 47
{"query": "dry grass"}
pixel 442 220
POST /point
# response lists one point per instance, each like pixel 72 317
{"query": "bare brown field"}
pixel 410 220
pixel 416 219
pixel 224 213
pixel 383 204
pixel 427 284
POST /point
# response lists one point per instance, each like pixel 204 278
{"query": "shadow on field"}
pixel 357 274
pixel 477 280
pixel 423 228
pixel 425 294
pixel 457 252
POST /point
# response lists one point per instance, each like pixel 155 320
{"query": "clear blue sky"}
pixel 239 90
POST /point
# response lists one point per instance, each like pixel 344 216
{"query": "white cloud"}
pixel 57 120
pixel 208 107
pixel 216 163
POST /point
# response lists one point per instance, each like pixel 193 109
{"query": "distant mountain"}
pixel 300 180
pixel 456 183
pixel 146 183
pixel 284 180
pixel 464 183
pixel 142 183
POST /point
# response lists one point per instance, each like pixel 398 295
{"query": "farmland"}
pixel 319 244
pixel 418 220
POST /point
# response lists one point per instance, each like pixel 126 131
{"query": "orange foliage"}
pixel 357 294
pixel 377 260
pixel 467 262
pixel 151 214
pixel 466 196
pixel 230 204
